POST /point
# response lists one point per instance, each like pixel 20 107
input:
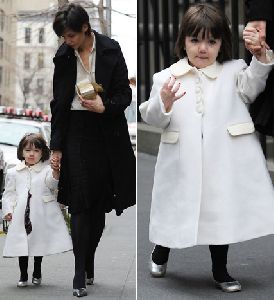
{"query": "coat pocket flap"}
pixel 241 128
pixel 48 198
pixel 170 137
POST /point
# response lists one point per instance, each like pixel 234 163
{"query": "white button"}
pixel 198 89
pixel 199 99
pixel 200 108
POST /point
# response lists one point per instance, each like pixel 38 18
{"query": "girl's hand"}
pixel 8 217
pixel 168 93
pixel 95 105
pixel 55 160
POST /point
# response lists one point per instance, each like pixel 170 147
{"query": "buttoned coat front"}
pixel 211 184
pixel 49 231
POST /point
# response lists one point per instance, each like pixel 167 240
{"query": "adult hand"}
pixel 254 43
pixel 95 105
pixel 8 217
pixel 55 159
pixel 168 93
pixel 260 26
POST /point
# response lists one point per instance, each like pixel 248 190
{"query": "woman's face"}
pixel 75 39
pixel 202 52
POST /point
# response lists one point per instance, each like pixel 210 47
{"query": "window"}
pixel 27 61
pixel 27 35
pixel 1 75
pixel 40 86
pixel 26 86
pixel 41 38
pixel 40 62
pixel 2 20
pixel 1 48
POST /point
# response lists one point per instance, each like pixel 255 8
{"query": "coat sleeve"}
pixel 50 181
pixel 252 80
pixel 9 195
pixel 259 10
pixel 60 106
pixel 120 94
pixel 153 111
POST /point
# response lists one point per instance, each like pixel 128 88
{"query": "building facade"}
pixel 7 52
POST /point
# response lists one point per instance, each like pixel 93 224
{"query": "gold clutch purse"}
pixel 88 90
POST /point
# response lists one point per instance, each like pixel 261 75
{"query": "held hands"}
pixel 8 217
pixel 169 93
pixel 255 42
pixel 55 161
pixel 94 105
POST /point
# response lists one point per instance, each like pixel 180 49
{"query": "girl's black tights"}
pixel 219 262
pixel 23 265
pixel 218 256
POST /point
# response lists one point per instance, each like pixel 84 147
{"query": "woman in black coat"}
pixel 260 14
pixel 90 137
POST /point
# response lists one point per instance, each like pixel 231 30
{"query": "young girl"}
pixel 211 184
pixel 37 225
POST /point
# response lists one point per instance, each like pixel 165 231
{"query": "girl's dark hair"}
pixel 71 16
pixel 38 141
pixel 208 19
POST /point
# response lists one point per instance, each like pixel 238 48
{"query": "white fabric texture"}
pixel 49 231
pixel 210 187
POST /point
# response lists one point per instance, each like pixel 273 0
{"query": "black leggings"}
pixel 23 265
pixel 218 257
pixel 86 231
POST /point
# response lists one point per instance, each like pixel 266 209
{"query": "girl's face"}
pixel 202 51
pixel 75 39
pixel 32 155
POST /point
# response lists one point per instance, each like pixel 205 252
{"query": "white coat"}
pixel 49 231
pixel 211 184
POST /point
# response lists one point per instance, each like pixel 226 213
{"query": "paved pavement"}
pixel 188 274
pixel 115 267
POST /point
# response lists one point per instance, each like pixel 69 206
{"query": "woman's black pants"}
pixel 86 230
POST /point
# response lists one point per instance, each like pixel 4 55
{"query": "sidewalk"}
pixel 115 267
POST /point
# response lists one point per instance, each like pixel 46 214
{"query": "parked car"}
pixel 11 131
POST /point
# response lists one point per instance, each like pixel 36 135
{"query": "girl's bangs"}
pixel 205 26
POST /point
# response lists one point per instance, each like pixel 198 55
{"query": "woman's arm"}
pixel 120 95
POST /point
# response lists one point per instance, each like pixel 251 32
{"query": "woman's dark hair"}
pixel 71 16
pixel 208 19
pixel 38 141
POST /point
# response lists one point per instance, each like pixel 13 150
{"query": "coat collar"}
pixel 182 67
pixel 37 167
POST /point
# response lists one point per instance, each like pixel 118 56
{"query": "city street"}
pixel 189 270
pixel 115 267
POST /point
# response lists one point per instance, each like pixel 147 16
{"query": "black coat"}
pixel 262 110
pixel 111 73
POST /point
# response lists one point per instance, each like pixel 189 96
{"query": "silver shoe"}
pixel 80 292
pixel 89 281
pixel 229 287
pixel 22 283
pixel 157 270
pixel 36 281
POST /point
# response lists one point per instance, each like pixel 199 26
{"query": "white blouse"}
pixel 83 74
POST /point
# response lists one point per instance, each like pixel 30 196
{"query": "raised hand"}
pixel 170 93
